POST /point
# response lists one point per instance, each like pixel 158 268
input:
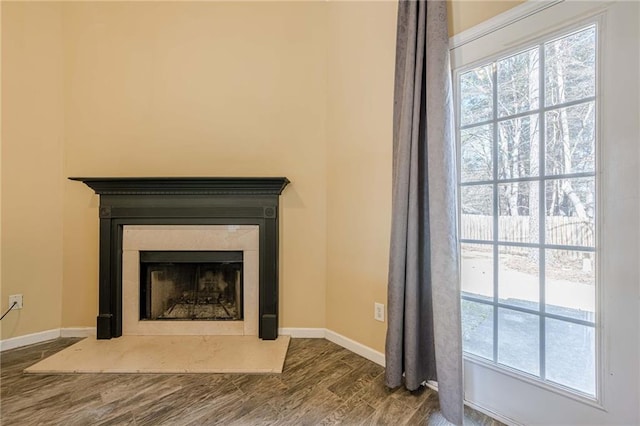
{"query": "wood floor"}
pixel 322 384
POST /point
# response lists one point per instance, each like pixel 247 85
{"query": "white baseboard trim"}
pixel 29 339
pixel 338 339
pixel 78 332
pixel 300 333
pixel 303 333
pixel 43 336
pixel 355 347
pixel 313 333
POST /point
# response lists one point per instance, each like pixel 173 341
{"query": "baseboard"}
pixel 338 339
pixel 303 333
pixel 29 339
pixel 355 347
pixel 78 332
pixel 43 336
pixel 300 333
pixel 313 333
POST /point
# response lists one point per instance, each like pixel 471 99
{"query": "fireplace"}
pixel 191 285
pixel 148 226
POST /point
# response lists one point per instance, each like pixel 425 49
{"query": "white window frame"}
pixel 538 40
pixel 515 399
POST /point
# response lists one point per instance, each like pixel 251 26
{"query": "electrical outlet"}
pixel 16 298
pixel 378 312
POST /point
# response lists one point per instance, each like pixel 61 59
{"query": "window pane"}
pixel 527 128
pixel 476 152
pixel 570 71
pixel 518 83
pixel 477 270
pixel 519 340
pixel 518 147
pixel 570 284
pixel 570 139
pixel 570 355
pixel 519 277
pixel 477 329
pixel 476 95
pixel 570 210
pixel 477 210
pixel 518 210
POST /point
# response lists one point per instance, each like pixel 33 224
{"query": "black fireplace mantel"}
pixel 185 201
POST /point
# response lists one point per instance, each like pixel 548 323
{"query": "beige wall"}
pixel 32 120
pixel 202 89
pixel 359 131
pixel 198 89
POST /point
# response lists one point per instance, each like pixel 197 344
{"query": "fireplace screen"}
pixel 191 285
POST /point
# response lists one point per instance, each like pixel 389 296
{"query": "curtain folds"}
pixel 424 333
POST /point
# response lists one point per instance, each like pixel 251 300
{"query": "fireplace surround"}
pixel 185 201
pixel 165 248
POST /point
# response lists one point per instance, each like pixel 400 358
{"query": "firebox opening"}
pixel 191 285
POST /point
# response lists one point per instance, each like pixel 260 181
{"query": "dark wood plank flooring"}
pixel 322 384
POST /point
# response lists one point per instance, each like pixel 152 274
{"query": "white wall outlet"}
pixel 378 312
pixel 16 298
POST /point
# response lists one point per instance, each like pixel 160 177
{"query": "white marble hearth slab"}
pixel 168 354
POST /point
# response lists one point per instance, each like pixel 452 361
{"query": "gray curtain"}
pixel 424 333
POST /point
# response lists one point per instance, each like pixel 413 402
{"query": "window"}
pixel 527 140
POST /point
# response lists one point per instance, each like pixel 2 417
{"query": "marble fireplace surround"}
pixel 137 238
pixel 185 201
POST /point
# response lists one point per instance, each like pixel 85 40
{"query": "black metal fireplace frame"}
pixel 185 201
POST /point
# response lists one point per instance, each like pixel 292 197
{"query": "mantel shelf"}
pixel 185 185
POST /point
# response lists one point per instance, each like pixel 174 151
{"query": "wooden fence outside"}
pixel 560 230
